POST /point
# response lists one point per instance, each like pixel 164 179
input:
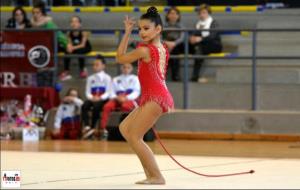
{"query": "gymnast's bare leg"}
pixel 133 129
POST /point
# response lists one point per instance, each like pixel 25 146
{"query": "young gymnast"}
pixel 152 56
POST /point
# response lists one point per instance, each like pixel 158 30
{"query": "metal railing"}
pixel 186 56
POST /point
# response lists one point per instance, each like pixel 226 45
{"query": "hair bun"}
pixel 152 11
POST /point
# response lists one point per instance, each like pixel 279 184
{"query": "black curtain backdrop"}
pixel 288 3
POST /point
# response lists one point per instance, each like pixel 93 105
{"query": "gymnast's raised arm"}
pixel 140 53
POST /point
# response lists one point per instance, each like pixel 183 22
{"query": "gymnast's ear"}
pixel 158 29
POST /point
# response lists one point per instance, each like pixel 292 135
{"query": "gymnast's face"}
pixel 147 30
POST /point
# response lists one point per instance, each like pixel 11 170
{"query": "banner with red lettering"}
pixel 23 53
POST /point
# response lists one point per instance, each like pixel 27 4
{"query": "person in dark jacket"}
pixel 204 42
pixel 19 19
pixel 174 40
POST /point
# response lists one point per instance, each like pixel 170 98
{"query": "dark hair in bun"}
pixel 152 10
pixel 152 15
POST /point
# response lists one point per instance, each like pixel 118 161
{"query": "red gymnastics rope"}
pixel 201 174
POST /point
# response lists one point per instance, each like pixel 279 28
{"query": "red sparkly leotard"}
pixel 152 78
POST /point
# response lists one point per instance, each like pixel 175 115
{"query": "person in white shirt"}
pixel 125 91
pixel 97 92
pixel 204 42
pixel 67 120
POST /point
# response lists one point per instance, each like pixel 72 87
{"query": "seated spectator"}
pixel 19 19
pixel 78 43
pixel 39 15
pixel 174 40
pixel 97 92
pixel 125 91
pixel 67 120
pixel 40 19
pixel 204 42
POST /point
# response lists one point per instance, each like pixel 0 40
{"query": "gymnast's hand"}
pixel 129 24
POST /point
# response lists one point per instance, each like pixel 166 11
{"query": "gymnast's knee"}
pixel 129 135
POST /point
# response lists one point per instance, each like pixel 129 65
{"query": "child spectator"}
pixel 19 19
pixel 174 40
pixel 40 19
pixel 125 91
pixel 67 120
pixel 97 92
pixel 78 43
pixel 204 42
